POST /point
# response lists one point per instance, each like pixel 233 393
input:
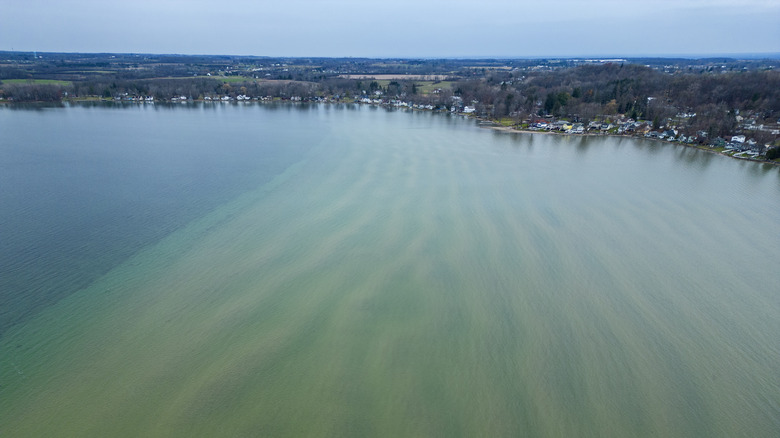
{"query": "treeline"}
pixel 33 92
pixel 591 92
pixel 713 102
pixel 635 91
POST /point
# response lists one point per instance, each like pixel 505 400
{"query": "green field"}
pixel 423 87
pixel 225 79
pixel 232 79
pixel 427 87
pixel 36 81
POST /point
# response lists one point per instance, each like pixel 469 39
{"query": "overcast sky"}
pixel 394 28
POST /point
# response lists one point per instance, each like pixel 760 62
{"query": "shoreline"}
pixel 483 123
pixel 510 129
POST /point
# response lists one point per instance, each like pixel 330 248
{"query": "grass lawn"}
pixel 506 121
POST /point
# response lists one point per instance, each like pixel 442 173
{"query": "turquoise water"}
pixel 353 271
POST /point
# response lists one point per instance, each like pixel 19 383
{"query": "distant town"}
pixel 726 105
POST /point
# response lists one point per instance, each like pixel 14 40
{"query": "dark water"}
pixel 248 270
pixel 84 187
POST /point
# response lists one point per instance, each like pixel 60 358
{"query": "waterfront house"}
pixel 738 139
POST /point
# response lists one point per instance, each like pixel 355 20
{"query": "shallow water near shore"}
pixel 354 271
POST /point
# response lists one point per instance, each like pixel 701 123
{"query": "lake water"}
pixel 293 270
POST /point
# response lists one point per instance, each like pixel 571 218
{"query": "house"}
pixel 670 133
pixel 738 139
pixel 719 142
pixel 759 149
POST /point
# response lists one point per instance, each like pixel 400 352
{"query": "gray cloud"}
pixel 433 28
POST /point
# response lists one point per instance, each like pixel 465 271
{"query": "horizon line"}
pixel 692 56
